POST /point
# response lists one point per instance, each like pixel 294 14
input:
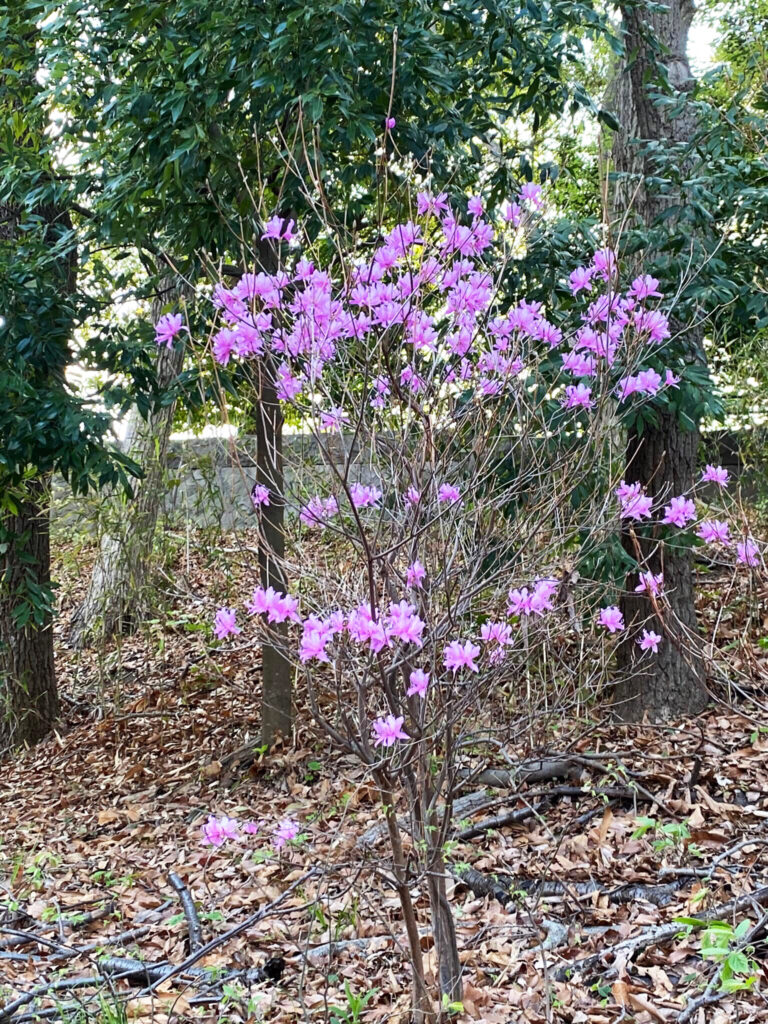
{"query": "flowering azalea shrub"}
pixel 466 443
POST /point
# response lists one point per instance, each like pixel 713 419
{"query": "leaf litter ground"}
pixel 638 827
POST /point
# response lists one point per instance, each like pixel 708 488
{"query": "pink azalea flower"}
pixel 498 635
pixel 714 531
pixel 645 287
pixel 649 582
pixel 415 573
pixel 649 381
pixel 216 831
pixel 427 203
pixel 475 206
pixel 317 512
pixel 224 345
pixel 511 213
pixel 653 323
pixel 649 641
pixel 287 385
pixel 404 624
pixel 363 628
pixel 447 492
pixel 313 644
pixel 260 495
pixel 457 656
pixel 634 503
pixel 167 327
pixel 419 682
pixel 604 263
pixel 531 192
pixel 581 279
pixel 534 602
pixel 413 496
pixel 748 552
pixel 577 395
pixel 278 607
pixel 578 364
pixel 364 496
pixel 679 512
pixel 611 618
pixel 224 624
pixel 387 730
pixel 335 419
pixel 285 832
pixel 715 475
pixel 273 228
pixel 287 234
pixel 671 380
pixel 390 123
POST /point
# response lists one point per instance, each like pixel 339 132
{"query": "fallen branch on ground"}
pixel 502 888
pixel 194 930
pixel 665 932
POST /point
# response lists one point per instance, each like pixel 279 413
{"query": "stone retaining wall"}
pixel 210 479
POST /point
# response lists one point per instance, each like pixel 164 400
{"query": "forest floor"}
pixel 593 904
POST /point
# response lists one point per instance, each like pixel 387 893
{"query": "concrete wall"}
pixel 210 479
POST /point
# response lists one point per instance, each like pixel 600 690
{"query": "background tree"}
pixel 661 452
pixel 125 549
pixel 684 196
pixel 44 426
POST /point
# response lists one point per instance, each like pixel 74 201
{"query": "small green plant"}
pixel 109 1011
pixel 107 878
pixel 724 944
pixel 452 1007
pixel 35 870
pixel 354 1008
pixel 674 835
pixel 240 999
pixel 346 917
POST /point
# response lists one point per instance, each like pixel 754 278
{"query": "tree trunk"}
pixel 667 684
pixel 28 691
pixel 30 702
pixel 276 698
pixel 266 421
pixel 662 457
pixel 117 594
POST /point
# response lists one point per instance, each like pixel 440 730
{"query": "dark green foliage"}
pixel 191 106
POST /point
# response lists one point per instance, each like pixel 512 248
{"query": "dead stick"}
pixel 665 932
pixel 249 922
pixel 194 930
pixel 500 820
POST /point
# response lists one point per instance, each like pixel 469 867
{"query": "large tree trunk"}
pixel 670 683
pixel 117 594
pixel 29 700
pixel 663 457
pixel 30 703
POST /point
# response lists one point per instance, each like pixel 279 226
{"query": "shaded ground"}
pixel 641 826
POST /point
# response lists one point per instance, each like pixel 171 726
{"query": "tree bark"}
pixel 30 702
pixel 667 684
pixel 662 457
pixel 276 694
pixel 267 424
pixel 117 594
